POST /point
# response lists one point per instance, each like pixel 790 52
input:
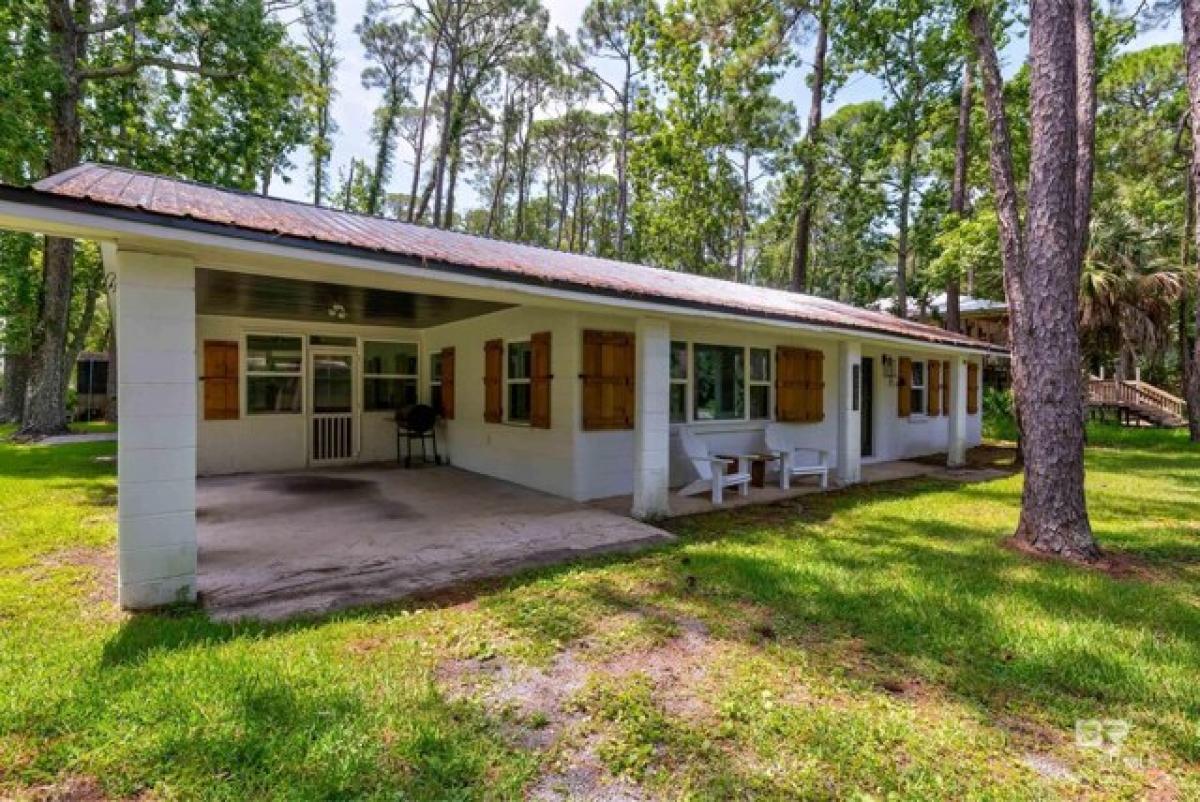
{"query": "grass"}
pixel 879 643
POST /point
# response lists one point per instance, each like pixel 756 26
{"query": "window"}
pixel 274 373
pixel 520 369
pixel 720 390
pixel 435 381
pixel 917 389
pixel 760 383
pixel 332 340
pixel 389 375
pixel 679 382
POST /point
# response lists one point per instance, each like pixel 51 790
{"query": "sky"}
pixel 354 105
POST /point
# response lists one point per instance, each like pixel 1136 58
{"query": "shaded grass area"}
pixel 876 642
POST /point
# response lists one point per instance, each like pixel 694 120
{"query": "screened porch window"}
pixel 720 387
pixel 274 374
pixel 389 375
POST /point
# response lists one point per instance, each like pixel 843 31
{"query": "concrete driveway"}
pixel 277 545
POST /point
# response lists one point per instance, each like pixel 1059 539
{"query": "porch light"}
pixel 889 369
pixel 337 311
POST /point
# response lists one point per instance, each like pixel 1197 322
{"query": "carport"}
pixel 280 544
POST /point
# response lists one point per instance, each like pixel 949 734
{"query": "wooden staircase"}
pixel 1135 403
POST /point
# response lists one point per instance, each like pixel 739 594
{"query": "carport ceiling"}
pixel 221 292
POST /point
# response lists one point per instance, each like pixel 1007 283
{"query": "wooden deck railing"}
pixel 1117 393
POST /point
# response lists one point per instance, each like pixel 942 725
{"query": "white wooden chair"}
pixel 796 460
pixel 714 471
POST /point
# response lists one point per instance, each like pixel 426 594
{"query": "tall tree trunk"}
pixel 45 409
pixel 523 176
pixel 958 190
pixel 902 223
pixel 623 162
pixel 1044 285
pixel 743 219
pixel 495 207
pixel 16 384
pixel 1191 37
pixel 452 184
pixel 803 232
pixel 78 337
pixel 1085 122
pixel 449 107
pixel 383 152
pixel 419 150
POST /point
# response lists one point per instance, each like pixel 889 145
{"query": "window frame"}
pixel 685 382
pixel 689 384
pixel 247 374
pixel 695 377
pixel 768 383
pixel 365 377
pixel 509 382
pixel 919 410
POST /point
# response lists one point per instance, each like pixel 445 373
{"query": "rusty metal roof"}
pixel 171 199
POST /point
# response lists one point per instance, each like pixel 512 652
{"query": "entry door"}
pixel 867 413
pixel 334 422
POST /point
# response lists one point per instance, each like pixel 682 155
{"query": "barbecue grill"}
pixel 416 423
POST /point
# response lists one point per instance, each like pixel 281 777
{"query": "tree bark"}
pixel 958 189
pixel 495 209
pixel 16 384
pixel 1043 294
pixel 1085 119
pixel 803 232
pixel 743 219
pixel 1190 11
pixel 419 150
pixel 523 175
pixel 1054 515
pixel 448 125
pixel 623 161
pixel 906 188
pixel 45 410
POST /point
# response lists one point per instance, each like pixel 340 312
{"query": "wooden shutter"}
pixel 608 380
pixel 222 396
pixel 539 381
pixel 799 385
pixel 945 388
pixel 933 371
pixel 447 379
pixel 972 388
pixel 904 387
pixel 815 369
pixel 493 381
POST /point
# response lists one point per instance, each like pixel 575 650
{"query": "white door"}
pixel 334 423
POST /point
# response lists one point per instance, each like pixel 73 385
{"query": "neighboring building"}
pixel 91 386
pixel 257 334
pixel 981 319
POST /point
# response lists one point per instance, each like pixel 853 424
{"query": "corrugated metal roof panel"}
pixel 174 198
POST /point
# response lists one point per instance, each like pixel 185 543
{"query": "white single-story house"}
pixel 260 335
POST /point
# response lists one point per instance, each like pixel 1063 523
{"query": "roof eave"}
pixel 40 199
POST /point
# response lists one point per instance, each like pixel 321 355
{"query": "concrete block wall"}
pixel 156 446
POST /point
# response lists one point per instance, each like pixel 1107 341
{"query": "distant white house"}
pixel 263 335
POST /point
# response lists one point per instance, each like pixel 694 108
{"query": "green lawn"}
pixel 875 644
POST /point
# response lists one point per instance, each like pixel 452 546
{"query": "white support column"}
pixel 849 444
pixel 652 431
pixel 956 447
pixel 156 448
